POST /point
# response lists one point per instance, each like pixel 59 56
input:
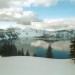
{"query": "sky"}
pixel 37 13
pixel 63 9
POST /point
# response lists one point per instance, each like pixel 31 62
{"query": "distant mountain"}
pixel 8 34
pixel 14 33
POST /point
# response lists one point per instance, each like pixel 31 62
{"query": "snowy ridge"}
pixel 17 32
pixel 7 34
pixel 28 32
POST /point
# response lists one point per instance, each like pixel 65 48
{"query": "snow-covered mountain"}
pixel 17 32
pixel 8 34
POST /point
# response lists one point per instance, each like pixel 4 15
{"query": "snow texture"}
pixel 36 66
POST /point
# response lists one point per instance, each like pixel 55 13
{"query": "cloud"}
pixel 61 45
pixel 12 11
pixel 4 3
pixel 40 43
pixel 26 3
pixel 31 18
pixel 18 16
pixel 55 24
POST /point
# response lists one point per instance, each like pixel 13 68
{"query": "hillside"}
pixel 36 66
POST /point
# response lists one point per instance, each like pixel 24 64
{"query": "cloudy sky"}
pixel 37 13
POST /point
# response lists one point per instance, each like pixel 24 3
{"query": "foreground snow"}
pixel 36 66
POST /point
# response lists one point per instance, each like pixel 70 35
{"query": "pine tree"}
pixel 14 50
pixel 5 49
pixel 20 53
pixel 27 53
pixel 72 51
pixel 49 52
pixel 35 55
pixel 8 49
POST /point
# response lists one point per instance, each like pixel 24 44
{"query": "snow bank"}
pixel 36 66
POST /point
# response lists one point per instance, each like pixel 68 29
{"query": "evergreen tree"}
pixel 49 52
pixel 72 51
pixel 21 53
pixel 13 50
pixel 35 55
pixel 8 49
pixel 27 53
pixel 5 49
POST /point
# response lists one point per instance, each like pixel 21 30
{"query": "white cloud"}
pixel 40 43
pixel 4 3
pixel 61 21
pixel 21 17
pixel 61 45
pixel 12 10
pixel 21 3
pixel 55 24
pixel 30 18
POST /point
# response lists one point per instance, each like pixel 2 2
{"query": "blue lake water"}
pixel 57 54
pixel 61 54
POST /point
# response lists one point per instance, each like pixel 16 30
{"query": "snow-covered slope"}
pixel 19 32
pixel 28 32
pixel 32 32
pixel 6 34
pixel 36 66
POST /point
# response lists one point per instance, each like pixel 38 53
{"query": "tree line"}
pixel 9 49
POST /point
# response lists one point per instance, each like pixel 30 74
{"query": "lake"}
pixel 39 47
